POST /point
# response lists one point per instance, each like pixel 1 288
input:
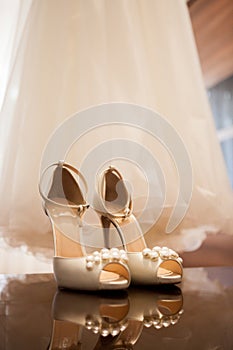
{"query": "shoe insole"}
pixel 164 273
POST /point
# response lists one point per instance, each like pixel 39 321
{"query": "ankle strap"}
pixel 62 164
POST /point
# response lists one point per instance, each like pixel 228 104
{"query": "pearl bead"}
pixel 174 319
pixel 113 250
pixel 164 248
pixel 97 259
pixel 96 253
pixel 146 252
pixel 156 321
pixel 154 255
pixel 115 331
pixel 124 257
pixel 95 330
pixel 89 258
pixel 173 253
pixel 164 254
pixel 116 255
pixel 180 260
pixel 156 249
pixel 89 265
pixel 123 327
pixel 147 323
pixel 158 326
pixel 104 250
pixel 105 256
pixel 104 332
pixel 166 322
pixel 122 251
pixel 89 322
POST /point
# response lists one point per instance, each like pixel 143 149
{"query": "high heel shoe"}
pixel 104 317
pixel 65 205
pixel 116 321
pixel 159 265
pixel 156 309
pixel 163 307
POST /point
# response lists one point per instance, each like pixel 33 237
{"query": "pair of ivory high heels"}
pixel 112 322
pixel 109 268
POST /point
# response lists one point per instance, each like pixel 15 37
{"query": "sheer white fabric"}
pixel 67 56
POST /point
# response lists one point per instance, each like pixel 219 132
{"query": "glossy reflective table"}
pixel 197 314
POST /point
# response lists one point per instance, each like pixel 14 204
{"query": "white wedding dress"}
pixel 62 57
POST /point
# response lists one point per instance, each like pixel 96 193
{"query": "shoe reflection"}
pixel 115 321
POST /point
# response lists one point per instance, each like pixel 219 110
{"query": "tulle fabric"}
pixel 68 56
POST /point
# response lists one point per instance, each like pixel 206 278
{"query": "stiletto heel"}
pixel 65 205
pixel 159 265
pixel 106 223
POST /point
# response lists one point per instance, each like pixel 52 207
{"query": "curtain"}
pixel 65 56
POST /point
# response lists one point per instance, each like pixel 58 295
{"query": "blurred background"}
pixel 212 23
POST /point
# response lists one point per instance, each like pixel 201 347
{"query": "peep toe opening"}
pixel 114 274
pixel 170 270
